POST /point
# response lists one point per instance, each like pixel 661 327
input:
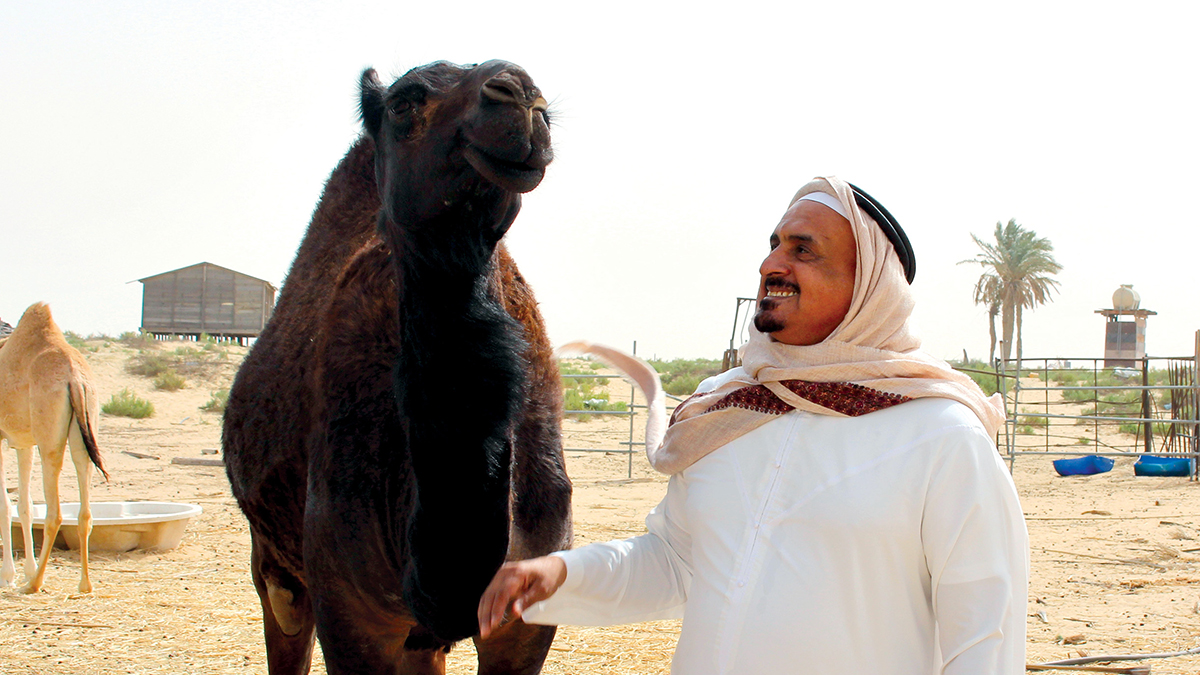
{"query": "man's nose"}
pixel 772 265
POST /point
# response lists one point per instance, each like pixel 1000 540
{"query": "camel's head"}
pixel 445 133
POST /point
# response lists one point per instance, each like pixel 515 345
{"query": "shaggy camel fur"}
pixel 46 399
pixel 393 436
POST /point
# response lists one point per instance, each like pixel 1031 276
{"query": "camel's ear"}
pixel 370 103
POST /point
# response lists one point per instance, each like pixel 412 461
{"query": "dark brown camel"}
pixel 393 436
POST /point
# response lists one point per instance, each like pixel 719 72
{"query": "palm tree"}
pixel 987 292
pixel 1018 270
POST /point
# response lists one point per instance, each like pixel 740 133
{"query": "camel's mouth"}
pixel 511 176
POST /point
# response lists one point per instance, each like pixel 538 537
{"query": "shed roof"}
pixel 163 274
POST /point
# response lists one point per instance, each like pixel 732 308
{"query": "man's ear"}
pixel 370 103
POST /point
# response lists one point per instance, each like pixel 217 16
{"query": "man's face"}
pixel 808 278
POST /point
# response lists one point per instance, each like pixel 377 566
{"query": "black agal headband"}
pixel 891 228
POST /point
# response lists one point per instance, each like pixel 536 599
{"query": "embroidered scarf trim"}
pixel 847 398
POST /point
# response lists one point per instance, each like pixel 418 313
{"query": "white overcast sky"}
pixel 137 137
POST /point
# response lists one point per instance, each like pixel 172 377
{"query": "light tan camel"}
pixel 46 399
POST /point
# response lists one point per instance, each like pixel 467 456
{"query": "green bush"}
pixel 149 364
pixel 1158 429
pixel 127 404
pixel 1033 421
pixel 680 377
pixel 1078 395
pixel 75 339
pixel 217 402
pixel 169 380
pixel 585 393
pixel 575 382
pixel 138 340
pixel 186 361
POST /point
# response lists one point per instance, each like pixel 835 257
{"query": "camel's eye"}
pixel 399 106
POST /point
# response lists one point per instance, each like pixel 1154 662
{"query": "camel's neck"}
pixel 458 383
pixel 456 341
pixel 443 269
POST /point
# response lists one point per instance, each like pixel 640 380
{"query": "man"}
pixel 836 504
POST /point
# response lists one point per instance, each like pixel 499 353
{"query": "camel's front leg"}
pixel 25 506
pixel 8 571
pixel 83 471
pixel 52 460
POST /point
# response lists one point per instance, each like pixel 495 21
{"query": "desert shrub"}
pixel 1158 429
pixel 1067 378
pixel 75 339
pixel 127 404
pixel 1078 395
pixel 186 361
pixel 149 364
pixel 680 377
pixel 575 382
pixel 138 340
pixel 585 393
pixel 217 402
pixel 1083 440
pixel 1033 421
pixel 169 380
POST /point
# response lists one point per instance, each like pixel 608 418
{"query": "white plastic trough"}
pixel 116 526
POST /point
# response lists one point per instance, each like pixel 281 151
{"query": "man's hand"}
pixel 522 583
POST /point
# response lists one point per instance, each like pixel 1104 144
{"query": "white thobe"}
pixel 883 544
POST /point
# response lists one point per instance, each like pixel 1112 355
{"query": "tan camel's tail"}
pixel 642 374
pixel 79 394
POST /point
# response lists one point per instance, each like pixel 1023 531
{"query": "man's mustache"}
pixel 777 284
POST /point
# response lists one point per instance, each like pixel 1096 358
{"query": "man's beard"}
pixel 765 323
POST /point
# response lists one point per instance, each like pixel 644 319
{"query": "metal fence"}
pixel 630 446
pixel 1076 407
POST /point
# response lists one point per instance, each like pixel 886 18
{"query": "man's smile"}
pixel 779 288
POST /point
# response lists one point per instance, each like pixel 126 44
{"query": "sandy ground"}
pixel 1115 564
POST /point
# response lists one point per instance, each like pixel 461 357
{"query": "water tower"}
pixel 1125 341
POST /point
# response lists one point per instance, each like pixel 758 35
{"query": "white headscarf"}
pixel 871 360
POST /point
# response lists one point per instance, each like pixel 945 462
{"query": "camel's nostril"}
pixel 504 88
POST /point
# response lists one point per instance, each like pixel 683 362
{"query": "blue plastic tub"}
pixel 1149 465
pixel 1083 466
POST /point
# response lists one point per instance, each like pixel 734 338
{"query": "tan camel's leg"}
pixel 52 461
pixel 25 506
pixel 83 470
pixel 8 571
